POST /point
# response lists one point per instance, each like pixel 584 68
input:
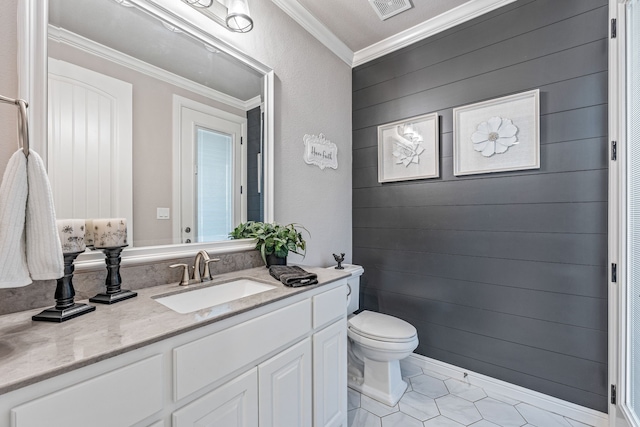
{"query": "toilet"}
pixel 376 344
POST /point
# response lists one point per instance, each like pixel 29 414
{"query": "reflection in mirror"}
pixel 150 124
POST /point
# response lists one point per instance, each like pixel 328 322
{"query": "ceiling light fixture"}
pixel 199 3
pixel 231 14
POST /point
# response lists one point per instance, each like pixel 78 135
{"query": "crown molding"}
pixel 253 103
pixel 74 40
pixel 456 16
pixel 316 28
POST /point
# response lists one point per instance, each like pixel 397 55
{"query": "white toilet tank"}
pixel 353 302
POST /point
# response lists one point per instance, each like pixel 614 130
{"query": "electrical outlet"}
pixel 163 213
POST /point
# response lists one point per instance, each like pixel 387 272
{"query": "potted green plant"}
pixel 274 241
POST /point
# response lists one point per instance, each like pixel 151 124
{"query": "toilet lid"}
pixel 381 327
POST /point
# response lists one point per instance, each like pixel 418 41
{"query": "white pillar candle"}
pixel 71 232
pixel 88 232
pixel 109 232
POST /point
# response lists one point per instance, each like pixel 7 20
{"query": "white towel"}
pixel 13 209
pixel 44 251
pixel 29 243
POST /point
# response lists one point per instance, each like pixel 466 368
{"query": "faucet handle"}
pixel 185 273
pixel 207 272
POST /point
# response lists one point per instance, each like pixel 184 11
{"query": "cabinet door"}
pixel 121 397
pixel 285 388
pixel 330 375
pixel 234 404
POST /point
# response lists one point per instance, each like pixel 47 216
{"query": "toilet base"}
pixel 381 381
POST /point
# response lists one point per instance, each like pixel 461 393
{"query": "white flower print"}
pixel 494 136
pixel 407 145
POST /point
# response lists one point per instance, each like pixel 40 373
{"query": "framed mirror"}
pixel 148 117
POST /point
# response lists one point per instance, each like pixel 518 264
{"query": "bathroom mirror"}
pixel 183 85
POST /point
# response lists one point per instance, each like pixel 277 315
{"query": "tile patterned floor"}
pixel 434 400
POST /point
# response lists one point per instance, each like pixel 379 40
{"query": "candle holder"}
pixel 114 294
pixel 65 307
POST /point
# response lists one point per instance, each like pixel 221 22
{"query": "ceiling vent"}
pixel 388 8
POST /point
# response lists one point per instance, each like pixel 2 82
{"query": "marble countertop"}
pixel 34 351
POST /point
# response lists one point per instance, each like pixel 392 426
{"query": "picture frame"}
pixel 497 135
pixel 409 149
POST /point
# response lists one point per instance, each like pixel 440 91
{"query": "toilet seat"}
pixel 382 327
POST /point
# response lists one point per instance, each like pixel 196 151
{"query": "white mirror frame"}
pixel 32 72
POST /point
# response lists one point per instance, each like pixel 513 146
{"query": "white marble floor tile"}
pixel 441 422
pixel 540 417
pixel 353 399
pixel 418 406
pixel 435 374
pixel 377 408
pixel 361 418
pixel 502 397
pixel 429 386
pixel 499 413
pixel 408 369
pixel 484 423
pixel 465 390
pixel 452 407
pixel 400 420
pixel 575 423
pixel 408 381
pixel 458 409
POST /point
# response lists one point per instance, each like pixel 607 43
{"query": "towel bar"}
pixel 23 124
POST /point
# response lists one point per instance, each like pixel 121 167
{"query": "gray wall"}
pixel 503 274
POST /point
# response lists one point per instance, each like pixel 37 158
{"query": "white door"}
pixel 285 388
pixel 624 216
pixel 330 376
pixel 89 154
pixel 234 404
pixel 213 167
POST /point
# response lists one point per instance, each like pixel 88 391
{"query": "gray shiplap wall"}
pixel 255 209
pixel 503 274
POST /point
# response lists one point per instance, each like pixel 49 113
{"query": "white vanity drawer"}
pixel 209 359
pixel 119 398
pixel 329 306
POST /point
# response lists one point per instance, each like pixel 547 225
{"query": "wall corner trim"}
pixel 493 385
pixel 449 19
pixel 316 28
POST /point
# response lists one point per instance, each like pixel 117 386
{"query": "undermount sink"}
pixel 197 299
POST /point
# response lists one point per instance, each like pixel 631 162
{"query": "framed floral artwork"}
pixel 409 149
pixel 498 135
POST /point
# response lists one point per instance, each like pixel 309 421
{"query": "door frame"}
pixel 180 102
pixel 617 211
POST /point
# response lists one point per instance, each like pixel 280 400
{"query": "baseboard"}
pixel 534 398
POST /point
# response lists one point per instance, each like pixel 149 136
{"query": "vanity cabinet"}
pixel 235 404
pixel 330 375
pixel 285 388
pixel 278 365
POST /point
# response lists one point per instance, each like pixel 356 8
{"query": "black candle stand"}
pixel 114 294
pixel 65 307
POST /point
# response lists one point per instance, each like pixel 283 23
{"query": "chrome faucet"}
pixel 202 256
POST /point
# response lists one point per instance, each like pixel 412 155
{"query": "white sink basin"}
pixel 190 301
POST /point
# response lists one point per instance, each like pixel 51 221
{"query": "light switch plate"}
pixel 163 213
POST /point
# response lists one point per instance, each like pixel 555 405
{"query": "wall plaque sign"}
pixel 320 151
